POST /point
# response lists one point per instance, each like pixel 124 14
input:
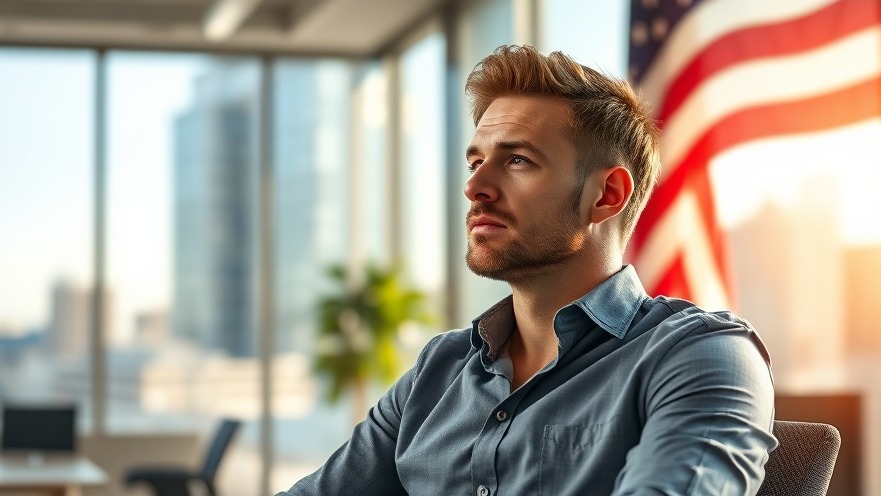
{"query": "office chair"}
pixel 802 464
pixel 174 481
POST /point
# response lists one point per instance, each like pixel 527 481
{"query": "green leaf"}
pixel 381 305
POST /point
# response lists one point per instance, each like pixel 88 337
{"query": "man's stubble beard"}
pixel 553 243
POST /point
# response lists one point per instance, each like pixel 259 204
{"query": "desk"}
pixel 55 475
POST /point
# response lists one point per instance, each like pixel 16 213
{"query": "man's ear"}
pixel 614 192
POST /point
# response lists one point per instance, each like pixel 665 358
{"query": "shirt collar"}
pixel 612 305
pixel 493 328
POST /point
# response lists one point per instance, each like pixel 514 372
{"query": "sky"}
pixel 45 177
pixel 46 166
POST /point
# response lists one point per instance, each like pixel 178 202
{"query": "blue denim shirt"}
pixel 647 396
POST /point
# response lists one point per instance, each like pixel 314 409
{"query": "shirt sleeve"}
pixel 365 464
pixel 709 411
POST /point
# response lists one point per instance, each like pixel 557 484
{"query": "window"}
pixel 482 28
pixel 423 168
pixel 182 247
pixel 590 31
pixel 312 164
pixel 46 218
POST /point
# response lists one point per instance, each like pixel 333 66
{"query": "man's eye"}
pixel 518 160
pixel 474 165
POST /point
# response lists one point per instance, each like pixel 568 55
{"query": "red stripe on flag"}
pixel 814 30
pixel 846 106
pixel 674 282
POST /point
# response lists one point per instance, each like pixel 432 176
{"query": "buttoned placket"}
pixel 484 477
pixel 483 470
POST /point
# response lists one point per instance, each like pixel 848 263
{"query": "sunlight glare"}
pixel 750 176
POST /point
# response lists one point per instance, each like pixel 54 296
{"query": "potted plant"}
pixel 358 328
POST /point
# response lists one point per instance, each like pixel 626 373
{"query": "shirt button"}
pixel 482 490
pixel 501 415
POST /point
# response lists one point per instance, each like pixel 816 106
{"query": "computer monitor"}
pixel 38 428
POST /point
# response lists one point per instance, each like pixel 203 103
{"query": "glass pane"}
pixel 484 26
pixel 312 156
pixel 182 257
pixel 371 126
pixel 591 31
pixel 46 217
pixel 423 169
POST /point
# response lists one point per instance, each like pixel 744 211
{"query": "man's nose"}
pixel 481 186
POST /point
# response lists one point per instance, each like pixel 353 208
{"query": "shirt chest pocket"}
pixel 582 459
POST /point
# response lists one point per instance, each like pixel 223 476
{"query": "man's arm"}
pixel 709 414
pixel 365 465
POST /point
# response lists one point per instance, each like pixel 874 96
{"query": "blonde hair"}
pixel 608 122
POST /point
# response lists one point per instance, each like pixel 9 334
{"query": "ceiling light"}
pixel 225 17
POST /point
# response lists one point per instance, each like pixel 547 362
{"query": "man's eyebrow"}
pixel 509 145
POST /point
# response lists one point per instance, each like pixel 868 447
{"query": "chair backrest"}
pixel 802 464
pixel 219 444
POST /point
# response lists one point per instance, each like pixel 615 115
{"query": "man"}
pixel 578 383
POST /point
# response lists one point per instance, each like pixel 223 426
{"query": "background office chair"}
pixel 174 481
pixel 802 464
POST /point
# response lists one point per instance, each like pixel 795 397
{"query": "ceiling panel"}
pixel 352 28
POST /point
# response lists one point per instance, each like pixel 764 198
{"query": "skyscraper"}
pixel 215 209
pixel 216 204
pixel 71 318
pixel 311 157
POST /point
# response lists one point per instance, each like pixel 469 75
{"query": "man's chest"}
pixel 570 427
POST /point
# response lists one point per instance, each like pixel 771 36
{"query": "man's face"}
pixel 525 204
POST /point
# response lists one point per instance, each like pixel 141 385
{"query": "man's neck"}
pixel 536 300
pixel 538 296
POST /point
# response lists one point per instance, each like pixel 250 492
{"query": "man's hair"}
pixel 609 123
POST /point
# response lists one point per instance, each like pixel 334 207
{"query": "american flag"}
pixel 721 73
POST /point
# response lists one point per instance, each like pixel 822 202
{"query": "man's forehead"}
pixel 530 111
pixel 524 117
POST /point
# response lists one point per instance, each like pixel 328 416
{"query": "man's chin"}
pixel 493 266
pixel 487 272
pixel 498 266
pixel 484 265
pixel 494 276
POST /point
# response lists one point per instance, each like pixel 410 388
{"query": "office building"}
pixel 71 318
pixel 215 211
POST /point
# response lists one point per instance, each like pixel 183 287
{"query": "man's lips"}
pixel 484 222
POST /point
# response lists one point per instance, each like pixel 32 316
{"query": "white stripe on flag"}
pixel 711 20
pixel 771 80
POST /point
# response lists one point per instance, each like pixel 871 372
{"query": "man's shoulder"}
pixel 444 356
pixel 688 317
pixel 677 323
pixel 453 343
pixel 451 338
